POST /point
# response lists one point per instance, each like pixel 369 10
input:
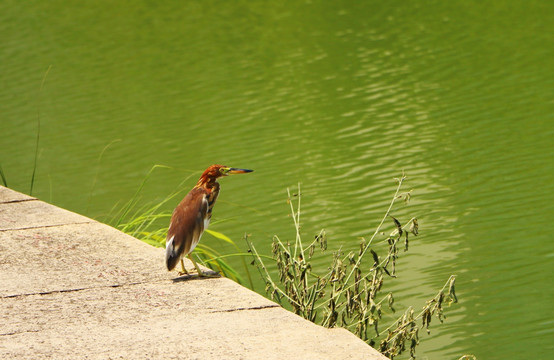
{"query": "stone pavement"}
pixel 73 288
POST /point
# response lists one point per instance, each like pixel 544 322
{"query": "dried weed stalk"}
pixel 349 294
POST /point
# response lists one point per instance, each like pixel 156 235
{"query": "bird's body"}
pixel 192 216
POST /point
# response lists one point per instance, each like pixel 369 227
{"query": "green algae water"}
pixel 338 96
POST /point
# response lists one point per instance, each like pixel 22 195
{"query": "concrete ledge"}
pixel 71 287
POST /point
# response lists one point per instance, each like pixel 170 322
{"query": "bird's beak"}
pixel 238 171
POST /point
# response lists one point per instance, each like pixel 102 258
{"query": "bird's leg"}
pixel 200 273
pixel 184 270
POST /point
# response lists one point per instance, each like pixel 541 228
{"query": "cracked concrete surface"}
pixel 73 288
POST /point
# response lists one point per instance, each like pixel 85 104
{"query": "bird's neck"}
pixel 207 183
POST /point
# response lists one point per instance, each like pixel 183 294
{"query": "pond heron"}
pixel 192 216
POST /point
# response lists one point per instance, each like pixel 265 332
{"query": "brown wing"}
pixel 186 226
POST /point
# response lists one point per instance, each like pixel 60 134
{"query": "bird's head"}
pixel 216 171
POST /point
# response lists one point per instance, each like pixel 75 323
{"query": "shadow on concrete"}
pixel 192 277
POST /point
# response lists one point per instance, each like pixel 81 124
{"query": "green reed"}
pixel 350 294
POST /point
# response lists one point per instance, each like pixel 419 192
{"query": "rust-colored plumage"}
pixel 192 216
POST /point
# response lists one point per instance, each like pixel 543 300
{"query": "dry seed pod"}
pixel 274 246
pixel 414 227
pixel 323 240
pixel 375 258
pixel 452 291
pixel 398 225
pixel 441 299
pixel 428 321
pixel 391 302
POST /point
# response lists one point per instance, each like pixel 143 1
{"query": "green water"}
pixel 339 96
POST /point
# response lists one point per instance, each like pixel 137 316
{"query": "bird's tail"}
pixel 171 255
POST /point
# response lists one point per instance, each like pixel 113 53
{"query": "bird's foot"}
pixel 183 269
pixel 200 272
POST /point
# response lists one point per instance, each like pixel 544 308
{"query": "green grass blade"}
pixel 3 177
pixel 38 130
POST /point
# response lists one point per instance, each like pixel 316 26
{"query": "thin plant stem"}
pixel 97 172
pixel 268 277
pixel 296 219
pixel 38 130
pixel 377 229
pixel 3 177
